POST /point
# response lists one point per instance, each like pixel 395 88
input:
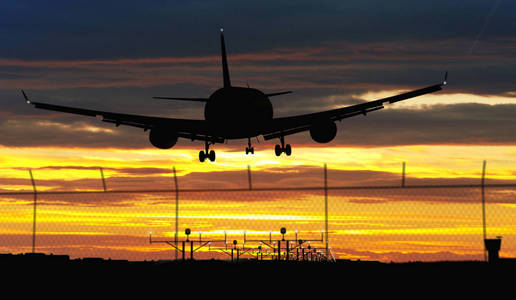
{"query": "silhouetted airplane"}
pixel 236 113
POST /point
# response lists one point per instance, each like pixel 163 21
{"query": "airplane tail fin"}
pixel 225 70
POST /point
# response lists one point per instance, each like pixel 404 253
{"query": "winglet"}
pixel 25 96
pixel 445 78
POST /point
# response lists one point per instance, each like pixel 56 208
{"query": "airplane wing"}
pixel 290 125
pixel 188 129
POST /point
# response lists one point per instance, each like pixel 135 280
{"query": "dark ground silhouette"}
pixel 60 275
pixel 30 260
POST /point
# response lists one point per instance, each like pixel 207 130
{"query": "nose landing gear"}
pixel 283 149
pixel 210 154
pixel 249 148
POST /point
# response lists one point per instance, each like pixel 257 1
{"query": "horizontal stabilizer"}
pixel 187 99
pixel 277 94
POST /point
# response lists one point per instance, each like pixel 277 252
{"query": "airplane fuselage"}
pixel 238 112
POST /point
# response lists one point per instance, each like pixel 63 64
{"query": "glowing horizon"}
pixel 366 225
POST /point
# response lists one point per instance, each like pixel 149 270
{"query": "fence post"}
pixel 34 212
pixel 482 191
pixel 403 175
pixel 249 177
pixel 326 207
pixel 177 210
pixel 103 180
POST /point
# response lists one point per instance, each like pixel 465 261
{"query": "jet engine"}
pixel 162 138
pixel 323 131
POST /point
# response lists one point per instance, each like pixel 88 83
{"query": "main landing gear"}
pixel 249 148
pixel 207 154
pixel 283 149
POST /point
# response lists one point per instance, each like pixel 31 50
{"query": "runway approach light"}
pixel 283 230
pixel 187 232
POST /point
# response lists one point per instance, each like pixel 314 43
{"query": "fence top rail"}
pixel 265 189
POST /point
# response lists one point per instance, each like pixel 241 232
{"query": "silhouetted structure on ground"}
pixel 493 247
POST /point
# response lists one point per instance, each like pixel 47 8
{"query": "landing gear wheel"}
pixel 288 150
pixel 249 148
pixel 278 150
pixel 212 156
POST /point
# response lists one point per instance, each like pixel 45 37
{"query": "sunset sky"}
pixel 116 55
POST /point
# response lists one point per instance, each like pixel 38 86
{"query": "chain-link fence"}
pixel 395 222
